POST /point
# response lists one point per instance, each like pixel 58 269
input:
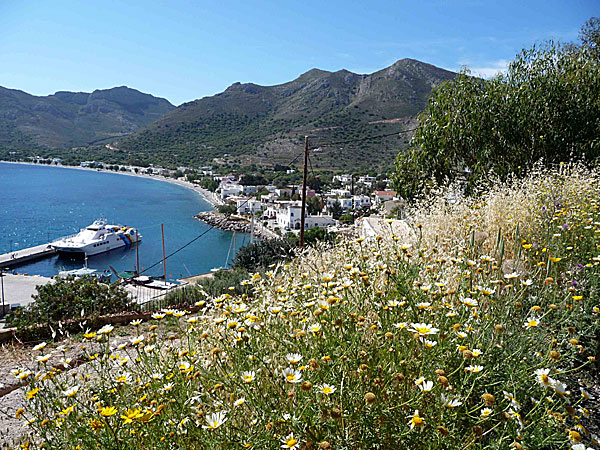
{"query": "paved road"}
pixel 20 288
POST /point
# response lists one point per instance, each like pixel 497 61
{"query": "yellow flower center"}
pixel 417 421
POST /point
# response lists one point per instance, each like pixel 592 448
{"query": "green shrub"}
pixel 227 209
pixel 262 254
pixel 66 299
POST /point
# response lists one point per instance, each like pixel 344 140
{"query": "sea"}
pixel 39 204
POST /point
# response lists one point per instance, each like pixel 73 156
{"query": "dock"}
pixel 22 256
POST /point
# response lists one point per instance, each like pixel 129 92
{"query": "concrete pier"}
pixel 25 255
pixel 19 289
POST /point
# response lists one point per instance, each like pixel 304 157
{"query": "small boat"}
pixel 97 238
pixel 161 284
pixel 85 272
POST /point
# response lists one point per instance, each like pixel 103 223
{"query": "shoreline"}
pixel 210 197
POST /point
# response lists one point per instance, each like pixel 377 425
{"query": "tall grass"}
pixel 481 332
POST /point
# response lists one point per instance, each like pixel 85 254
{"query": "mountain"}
pixel 69 119
pixel 250 123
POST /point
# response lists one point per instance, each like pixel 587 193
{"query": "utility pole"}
pixel 304 175
pixel 3 306
pixel 162 231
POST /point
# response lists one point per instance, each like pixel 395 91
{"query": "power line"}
pixel 179 249
pixel 211 227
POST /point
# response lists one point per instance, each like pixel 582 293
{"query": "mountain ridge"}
pixel 261 124
pixel 67 119
pixel 245 124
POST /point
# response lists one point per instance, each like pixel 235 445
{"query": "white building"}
pixel 249 206
pixel 269 198
pixel 229 189
pixel 340 193
pixel 361 201
pixel 246 190
pixel 384 196
pixel 345 203
pixel 367 180
pixel 290 219
pixel 344 179
pixel 283 192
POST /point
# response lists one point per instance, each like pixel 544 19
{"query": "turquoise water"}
pixel 40 203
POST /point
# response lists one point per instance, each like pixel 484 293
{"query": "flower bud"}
pixel 306 386
pixel 489 399
pixel 370 398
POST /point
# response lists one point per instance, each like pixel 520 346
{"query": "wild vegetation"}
pixel 478 330
pixel 65 299
pixel 546 107
pixel 267 124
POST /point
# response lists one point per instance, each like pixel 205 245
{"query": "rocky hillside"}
pixel 265 124
pixel 69 119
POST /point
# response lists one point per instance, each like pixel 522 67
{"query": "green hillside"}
pixel 69 119
pixel 266 124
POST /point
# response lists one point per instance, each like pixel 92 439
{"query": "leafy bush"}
pixel 261 254
pixel 227 209
pixel 66 299
pixel 209 183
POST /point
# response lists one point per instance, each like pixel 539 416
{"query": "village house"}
pixel 361 201
pixel 367 180
pixel 290 219
pixel 344 193
pixel 344 179
pixel 248 205
pixel 345 203
pixel 383 196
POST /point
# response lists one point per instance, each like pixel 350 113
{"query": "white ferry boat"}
pixel 97 238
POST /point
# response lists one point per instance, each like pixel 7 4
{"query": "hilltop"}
pixel 265 124
pixel 69 119
pixel 245 124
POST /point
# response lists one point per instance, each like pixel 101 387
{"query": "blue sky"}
pixel 185 49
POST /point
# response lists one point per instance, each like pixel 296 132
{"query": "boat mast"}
pixel 137 254
pixel 162 231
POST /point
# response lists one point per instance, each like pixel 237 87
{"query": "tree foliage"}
pixel 227 209
pixel 590 36
pixel 547 106
pixel 68 299
pixel 261 254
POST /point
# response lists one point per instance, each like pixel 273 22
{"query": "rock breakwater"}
pixel 230 223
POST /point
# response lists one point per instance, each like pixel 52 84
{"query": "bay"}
pixel 39 204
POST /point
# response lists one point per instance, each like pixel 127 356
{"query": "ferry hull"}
pixel 97 238
pixel 88 250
